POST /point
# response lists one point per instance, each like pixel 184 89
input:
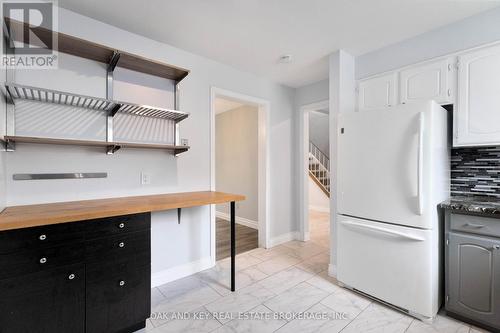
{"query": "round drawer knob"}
pixel 42 237
pixel 43 260
pixel 71 276
pixel 496 247
pixel 121 244
pixel 121 225
pixel 121 283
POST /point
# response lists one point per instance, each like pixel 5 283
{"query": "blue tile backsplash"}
pixel 475 171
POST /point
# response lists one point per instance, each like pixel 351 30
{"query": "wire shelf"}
pixel 16 91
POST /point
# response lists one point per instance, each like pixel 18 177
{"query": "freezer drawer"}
pixel 399 265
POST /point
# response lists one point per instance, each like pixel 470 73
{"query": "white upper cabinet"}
pixel 428 81
pixel 477 116
pixel 378 92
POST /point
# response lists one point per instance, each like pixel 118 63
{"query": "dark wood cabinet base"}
pixel 94 279
pixel 101 249
pixel 134 328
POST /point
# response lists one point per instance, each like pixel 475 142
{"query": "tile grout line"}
pixel 356 317
pixel 203 283
pixel 411 323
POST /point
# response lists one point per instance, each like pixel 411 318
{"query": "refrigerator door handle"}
pixel 420 164
pixel 382 230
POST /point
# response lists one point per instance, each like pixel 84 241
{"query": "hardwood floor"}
pixel 246 239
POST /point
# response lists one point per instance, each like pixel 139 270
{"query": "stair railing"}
pixel 319 167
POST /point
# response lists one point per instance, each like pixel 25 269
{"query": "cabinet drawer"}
pixel 117 297
pixel 41 237
pixel 117 225
pixel 475 225
pixel 19 263
pixel 45 302
pixel 118 247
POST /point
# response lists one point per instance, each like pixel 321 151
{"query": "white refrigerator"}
pixel 393 171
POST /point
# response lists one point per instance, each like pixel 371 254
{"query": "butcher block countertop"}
pixel 17 217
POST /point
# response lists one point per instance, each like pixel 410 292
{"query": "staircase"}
pixel 319 168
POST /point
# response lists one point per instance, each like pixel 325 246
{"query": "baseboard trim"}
pixel 304 237
pixel 274 241
pixel 332 270
pixel 178 272
pixel 239 220
pixel 320 209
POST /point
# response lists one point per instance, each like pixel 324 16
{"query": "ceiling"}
pixel 323 111
pixel 251 35
pixel 222 105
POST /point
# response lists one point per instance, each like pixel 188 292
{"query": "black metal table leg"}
pixel 233 245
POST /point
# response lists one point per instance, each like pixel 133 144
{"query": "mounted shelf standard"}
pixel 112 58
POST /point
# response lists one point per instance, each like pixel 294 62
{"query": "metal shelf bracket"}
pixel 114 109
pixel 109 95
pixel 179 211
pixel 9 145
pixel 8 96
pixel 111 149
pixel 113 61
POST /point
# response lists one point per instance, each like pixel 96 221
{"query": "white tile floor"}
pixel 288 278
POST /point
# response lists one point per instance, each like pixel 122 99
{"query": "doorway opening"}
pixel 239 165
pixel 315 171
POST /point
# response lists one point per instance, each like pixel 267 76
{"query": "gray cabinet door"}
pixel 474 278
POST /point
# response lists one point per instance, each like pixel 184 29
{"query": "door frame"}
pixel 304 165
pixel 263 107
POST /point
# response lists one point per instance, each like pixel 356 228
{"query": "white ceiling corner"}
pixel 254 34
pixel 223 105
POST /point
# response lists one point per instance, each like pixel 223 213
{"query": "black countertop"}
pixel 473 204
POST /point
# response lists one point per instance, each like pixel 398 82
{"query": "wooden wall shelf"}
pixel 97 52
pixel 94 143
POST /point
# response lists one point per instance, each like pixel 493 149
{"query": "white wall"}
pixel 342 99
pixel 236 157
pixel 190 241
pixel 315 92
pixel 318 200
pixel 473 31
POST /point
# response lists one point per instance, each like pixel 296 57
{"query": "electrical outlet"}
pixel 145 178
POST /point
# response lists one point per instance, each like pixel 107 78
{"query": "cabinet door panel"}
pixel 45 302
pixel 474 278
pixel 377 93
pixel 477 117
pixel 429 81
pixel 118 296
